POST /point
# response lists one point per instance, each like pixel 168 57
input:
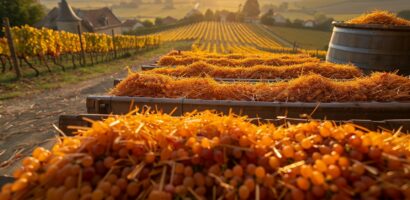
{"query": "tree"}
pixel 217 15
pixel 267 7
pixel 404 14
pixel 209 15
pixel 325 25
pixel 231 17
pixel 21 12
pixel 196 17
pixel 319 17
pixel 239 17
pixel 298 23
pixel 158 21
pixel 251 8
pixel 323 22
pixel 267 18
pixel 147 23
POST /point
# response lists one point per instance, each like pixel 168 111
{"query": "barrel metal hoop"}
pixel 379 27
pixel 368 51
pixel 370 32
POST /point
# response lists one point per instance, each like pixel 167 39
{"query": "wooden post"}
pixel 113 44
pixel 14 60
pixel 84 63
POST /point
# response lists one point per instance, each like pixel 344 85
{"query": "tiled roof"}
pixel 66 13
pixel 99 18
pixel 92 20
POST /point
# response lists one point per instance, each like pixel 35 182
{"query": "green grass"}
pixel 305 38
pixel 11 88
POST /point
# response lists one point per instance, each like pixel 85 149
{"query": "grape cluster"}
pixel 208 156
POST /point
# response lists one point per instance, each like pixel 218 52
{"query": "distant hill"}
pixel 352 6
pixel 347 9
pixel 150 10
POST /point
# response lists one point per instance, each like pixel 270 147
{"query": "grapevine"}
pixel 232 37
pixel 45 43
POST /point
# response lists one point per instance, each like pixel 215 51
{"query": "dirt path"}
pixel 28 122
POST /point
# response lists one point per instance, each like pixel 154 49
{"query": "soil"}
pixel 27 122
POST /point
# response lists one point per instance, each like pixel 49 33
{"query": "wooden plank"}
pixel 333 111
pixel 123 105
pixel 230 80
pixel 266 110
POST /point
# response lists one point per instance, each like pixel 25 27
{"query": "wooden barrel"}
pixel 371 47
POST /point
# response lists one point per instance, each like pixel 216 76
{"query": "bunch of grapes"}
pixel 208 156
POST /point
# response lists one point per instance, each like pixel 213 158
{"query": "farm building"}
pixel 309 24
pixel 131 24
pixel 169 20
pixel 279 19
pixel 65 18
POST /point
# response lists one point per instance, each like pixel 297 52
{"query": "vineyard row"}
pixel 31 43
pixel 219 37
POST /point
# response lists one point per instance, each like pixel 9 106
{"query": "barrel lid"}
pixel 371 26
